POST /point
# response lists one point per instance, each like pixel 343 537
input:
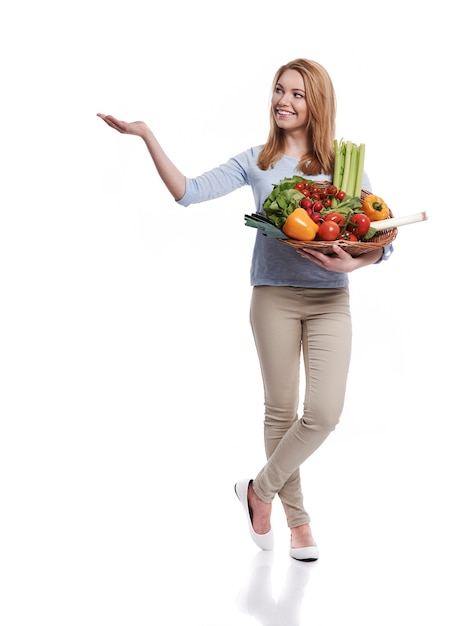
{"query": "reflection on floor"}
pixel 258 599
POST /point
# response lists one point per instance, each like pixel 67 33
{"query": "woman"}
pixel 300 298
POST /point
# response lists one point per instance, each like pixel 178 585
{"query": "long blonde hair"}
pixel 321 125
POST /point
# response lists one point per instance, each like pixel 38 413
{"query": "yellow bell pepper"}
pixel 375 208
pixel 300 226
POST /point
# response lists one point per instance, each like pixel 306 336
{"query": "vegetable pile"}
pixel 306 210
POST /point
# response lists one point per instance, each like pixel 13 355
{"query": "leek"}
pixel 394 222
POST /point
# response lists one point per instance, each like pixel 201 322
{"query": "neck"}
pixel 296 145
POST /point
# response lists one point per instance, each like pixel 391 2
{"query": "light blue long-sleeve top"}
pixel 273 263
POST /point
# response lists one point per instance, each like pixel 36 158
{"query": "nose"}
pixel 285 100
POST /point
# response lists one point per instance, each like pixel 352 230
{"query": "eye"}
pixel 299 95
pixel 278 90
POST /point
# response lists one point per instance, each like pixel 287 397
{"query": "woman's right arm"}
pixel 174 180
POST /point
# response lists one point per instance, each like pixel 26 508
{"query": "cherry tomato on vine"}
pixel 306 203
pixel 317 206
pixel 359 224
pixel 332 190
pixel 348 236
pixel 341 195
pixel 316 217
pixel 328 231
pixel 335 217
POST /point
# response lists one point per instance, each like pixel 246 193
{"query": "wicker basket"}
pixel 354 248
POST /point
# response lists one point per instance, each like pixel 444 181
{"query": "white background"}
pixel 130 395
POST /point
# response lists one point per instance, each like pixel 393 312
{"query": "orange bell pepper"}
pixel 300 226
pixel 375 208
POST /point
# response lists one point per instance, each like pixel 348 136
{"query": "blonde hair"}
pixel 321 125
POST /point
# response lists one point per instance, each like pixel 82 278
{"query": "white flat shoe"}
pixel 265 541
pixel 309 553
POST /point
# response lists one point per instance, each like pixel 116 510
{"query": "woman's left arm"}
pixel 341 261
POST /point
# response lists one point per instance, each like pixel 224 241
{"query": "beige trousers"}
pixel 287 323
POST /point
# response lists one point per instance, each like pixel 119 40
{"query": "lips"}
pixel 284 113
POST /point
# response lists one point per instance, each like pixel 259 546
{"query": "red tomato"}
pixel 316 217
pixel 327 203
pixel 317 206
pixel 359 224
pixel 348 236
pixel 328 231
pixel 332 190
pixel 306 203
pixel 341 195
pixel 335 217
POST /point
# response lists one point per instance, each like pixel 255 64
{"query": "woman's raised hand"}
pixel 126 128
pixel 174 180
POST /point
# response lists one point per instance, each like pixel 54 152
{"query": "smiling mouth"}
pixel 283 113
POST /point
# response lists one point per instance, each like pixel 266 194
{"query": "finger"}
pixel 113 122
pixel 312 254
pixel 315 257
pixel 113 119
pixel 339 251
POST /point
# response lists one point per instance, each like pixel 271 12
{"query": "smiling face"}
pixel 289 105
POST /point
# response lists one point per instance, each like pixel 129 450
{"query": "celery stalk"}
pixel 350 186
pixel 347 165
pixel 360 167
pixel 339 163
